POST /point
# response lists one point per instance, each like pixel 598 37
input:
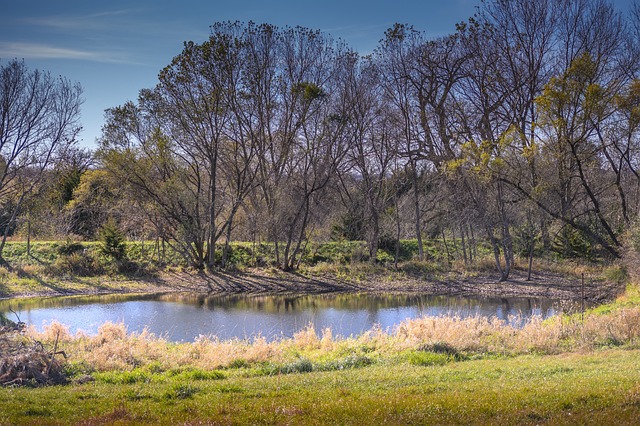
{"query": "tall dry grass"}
pixel 113 348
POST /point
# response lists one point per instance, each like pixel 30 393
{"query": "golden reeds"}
pixel 113 348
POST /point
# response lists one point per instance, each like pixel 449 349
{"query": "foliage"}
pixel 112 240
pixel 93 200
pixel 76 264
pixel 287 138
pixel 572 243
pixel 631 256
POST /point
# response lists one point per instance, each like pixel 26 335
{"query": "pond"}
pixel 183 317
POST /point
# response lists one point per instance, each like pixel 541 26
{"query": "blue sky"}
pixel 116 48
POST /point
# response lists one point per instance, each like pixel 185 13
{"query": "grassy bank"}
pixel 57 268
pixel 595 388
pixel 565 370
pixel 64 259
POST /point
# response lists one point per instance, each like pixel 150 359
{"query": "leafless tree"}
pixel 38 118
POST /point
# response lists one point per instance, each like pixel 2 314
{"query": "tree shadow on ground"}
pixel 254 283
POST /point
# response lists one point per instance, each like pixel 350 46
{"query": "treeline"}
pixel 520 128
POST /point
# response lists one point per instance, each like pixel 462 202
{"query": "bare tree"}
pixel 38 117
pixel 373 151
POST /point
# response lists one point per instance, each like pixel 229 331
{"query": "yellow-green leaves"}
pixel 575 96
pixel 481 158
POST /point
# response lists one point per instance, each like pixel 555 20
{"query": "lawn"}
pixel 601 387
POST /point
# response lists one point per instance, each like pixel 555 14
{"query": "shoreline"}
pixel 544 284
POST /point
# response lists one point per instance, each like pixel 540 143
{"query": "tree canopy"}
pixel 521 127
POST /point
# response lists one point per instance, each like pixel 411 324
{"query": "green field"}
pixel 595 388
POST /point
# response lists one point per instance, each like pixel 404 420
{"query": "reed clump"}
pixel 113 348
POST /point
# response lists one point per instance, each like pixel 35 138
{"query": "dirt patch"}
pixel 542 284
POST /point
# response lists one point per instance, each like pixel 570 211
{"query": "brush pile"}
pixel 25 361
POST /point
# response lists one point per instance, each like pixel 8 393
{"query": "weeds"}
pixel 428 370
pixel 428 358
pixel 343 259
pixel 424 341
pixel 181 391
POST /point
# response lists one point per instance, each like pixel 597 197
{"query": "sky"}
pixel 116 48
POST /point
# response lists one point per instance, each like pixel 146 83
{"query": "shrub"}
pixel 79 264
pixel 26 361
pixel 124 377
pixel 350 362
pixel 631 255
pixel 616 273
pixel 239 363
pixel 301 365
pixel 69 248
pixel 111 240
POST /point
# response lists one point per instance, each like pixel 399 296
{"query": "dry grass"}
pixel 26 361
pixel 113 348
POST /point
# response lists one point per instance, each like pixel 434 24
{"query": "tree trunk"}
pixel 416 201
pixel 531 245
pixel 446 247
pixel 29 234
pixel 464 245
pixel 507 241
pixel 301 238
pixel 10 222
pixel 211 249
pixel 374 237
pixel 474 247
pixel 397 217
pixel 227 242
pixel 496 251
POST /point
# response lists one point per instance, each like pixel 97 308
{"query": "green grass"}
pixel 596 388
pixel 242 254
pixel 58 267
pixel 360 382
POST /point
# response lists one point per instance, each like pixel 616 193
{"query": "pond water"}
pixel 183 317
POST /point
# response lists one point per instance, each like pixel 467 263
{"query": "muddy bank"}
pixel 541 285
pixel 545 284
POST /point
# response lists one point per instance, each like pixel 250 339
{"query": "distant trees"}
pixel 249 119
pixel 521 128
pixel 38 120
pixel 526 105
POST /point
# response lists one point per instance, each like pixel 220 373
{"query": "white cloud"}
pixel 43 51
pixel 91 22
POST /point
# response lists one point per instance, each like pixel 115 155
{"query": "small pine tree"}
pixel 111 240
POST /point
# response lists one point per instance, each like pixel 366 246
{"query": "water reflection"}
pixel 183 317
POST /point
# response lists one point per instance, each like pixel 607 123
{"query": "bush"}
pixel 350 362
pixel 69 248
pixel 112 242
pixel 79 264
pixel 25 361
pixel 301 365
pixel 442 348
pixel 616 274
pixel 573 243
pixel 183 391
